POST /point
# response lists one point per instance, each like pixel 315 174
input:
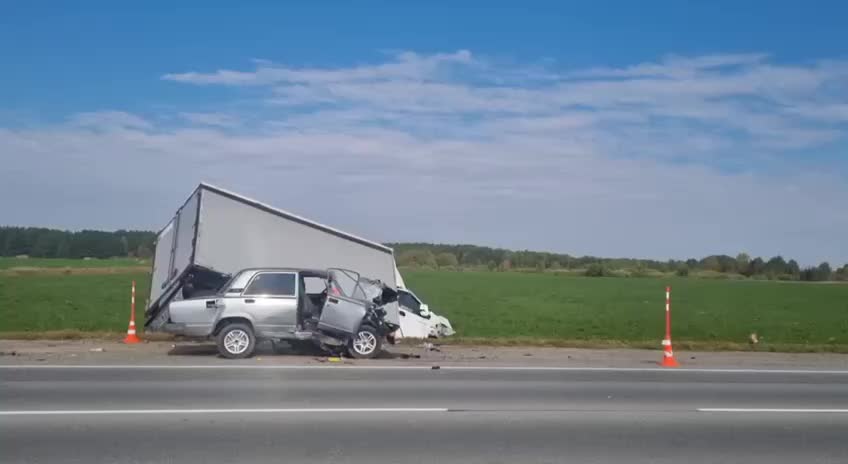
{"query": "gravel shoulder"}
pixel 99 352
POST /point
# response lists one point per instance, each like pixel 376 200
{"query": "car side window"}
pixel 409 302
pixel 272 284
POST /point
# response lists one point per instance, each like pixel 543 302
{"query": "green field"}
pixel 509 307
pixel 46 302
pixel 7 263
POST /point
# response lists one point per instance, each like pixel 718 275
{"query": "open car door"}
pixel 345 306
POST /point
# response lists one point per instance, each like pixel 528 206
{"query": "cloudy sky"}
pixel 663 132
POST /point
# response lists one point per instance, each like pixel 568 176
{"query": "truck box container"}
pixel 216 233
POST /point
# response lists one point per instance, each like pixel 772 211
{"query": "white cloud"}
pixel 407 65
pixel 676 66
pixel 631 161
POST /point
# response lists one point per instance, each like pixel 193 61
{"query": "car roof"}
pixel 304 272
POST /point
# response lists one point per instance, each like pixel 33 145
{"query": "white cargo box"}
pixel 217 232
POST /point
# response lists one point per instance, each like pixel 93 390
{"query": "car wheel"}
pixel 236 341
pixel 367 343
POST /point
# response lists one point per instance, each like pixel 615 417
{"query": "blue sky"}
pixel 666 129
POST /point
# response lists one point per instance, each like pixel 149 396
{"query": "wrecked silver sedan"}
pixel 337 310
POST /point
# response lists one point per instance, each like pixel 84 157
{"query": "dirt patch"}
pixel 80 335
pixel 640 345
pixel 487 342
pixel 98 352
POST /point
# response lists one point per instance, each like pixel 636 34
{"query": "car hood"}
pixel 440 326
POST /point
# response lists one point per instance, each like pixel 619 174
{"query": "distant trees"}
pixel 445 259
pixel 596 270
pixel 820 273
pixel 742 260
pixel 470 256
pixel 41 242
pixel 417 257
pixel 50 243
pixel 841 273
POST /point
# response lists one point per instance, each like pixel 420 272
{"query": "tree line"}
pixel 470 256
pixel 39 242
pixel 42 242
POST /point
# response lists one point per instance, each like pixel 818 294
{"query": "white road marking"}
pixel 216 411
pixel 426 367
pixel 784 410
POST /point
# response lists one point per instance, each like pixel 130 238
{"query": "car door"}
pixel 343 311
pixel 412 325
pixel 271 300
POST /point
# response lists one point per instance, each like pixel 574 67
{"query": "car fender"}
pixel 233 315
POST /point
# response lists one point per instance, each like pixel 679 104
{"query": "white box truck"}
pixel 217 233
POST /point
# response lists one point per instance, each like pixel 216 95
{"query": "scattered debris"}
pixel 334 359
pixel 408 356
pixel 435 368
pixel 531 354
pixel 481 357
pixel 96 350
pixel 753 338
pixel 691 357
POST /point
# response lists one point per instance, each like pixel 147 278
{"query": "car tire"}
pixel 236 341
pixel 366 344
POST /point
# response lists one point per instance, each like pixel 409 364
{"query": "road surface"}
pixel 250 413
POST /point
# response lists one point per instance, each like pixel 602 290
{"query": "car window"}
pixel 345 281
pixel 272 283
pixel 314 285
pixel 409 302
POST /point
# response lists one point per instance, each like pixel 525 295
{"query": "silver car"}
pixel 335 309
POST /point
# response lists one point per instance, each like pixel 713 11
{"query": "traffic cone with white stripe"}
pixel 131 336
pixel 668 353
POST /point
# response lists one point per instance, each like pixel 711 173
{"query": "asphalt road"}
pixel 337 414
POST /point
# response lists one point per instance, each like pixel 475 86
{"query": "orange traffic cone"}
pixel 131 336
pixel 668 355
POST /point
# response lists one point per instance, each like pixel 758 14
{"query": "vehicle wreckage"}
pixel 218 236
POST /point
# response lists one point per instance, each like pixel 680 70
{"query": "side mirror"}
pixel 424 310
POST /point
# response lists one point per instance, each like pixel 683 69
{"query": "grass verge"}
pixel 500 308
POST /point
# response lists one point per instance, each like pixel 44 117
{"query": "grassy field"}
pixel 8 263
pixel 567 308
pixel 508 307
pixel 96 302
